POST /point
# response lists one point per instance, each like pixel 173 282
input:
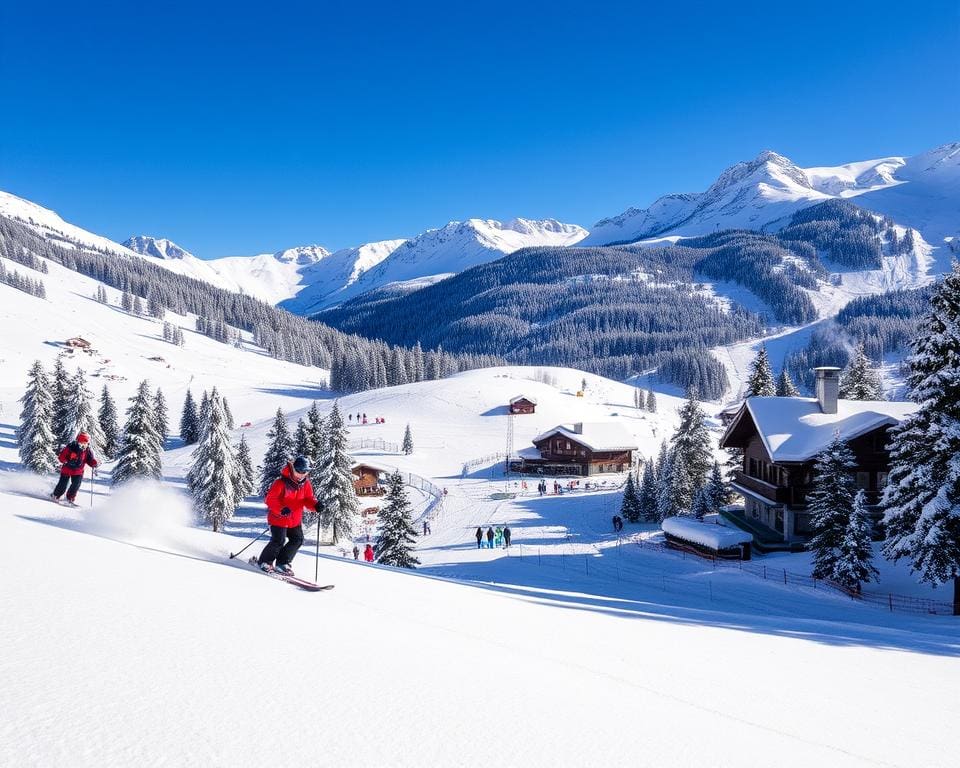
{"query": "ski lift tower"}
pixel 509 453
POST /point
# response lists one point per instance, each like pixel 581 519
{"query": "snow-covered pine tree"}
pixel 829 505
pixel 62 424
pixel 137 305
pixel 715 490
pixel 160 411
pixel 691 442
pixel 109 427
pixel 335 494
pixel 227 414
pixel 394 545
pixel 630 507
pixel 244 483
pixel 667 504
pixel 701 505
pixel 139 454
pixel 648 493
pixel 214 471
pixel 280 449
pixel 921 501
pixel 854 562
pixel 35 438
pixel 189 421
pixel 859 381
pixel 315 435
pixel 785 385
pixel 760 382
pixel 84 419
pixel 651 402
pixel 301 442
pixel 203 413
pixel 407 447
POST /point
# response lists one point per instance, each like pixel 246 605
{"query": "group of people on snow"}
pixel 496 537
pixel 362 419
pixel 542 488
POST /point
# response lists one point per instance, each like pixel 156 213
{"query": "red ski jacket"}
pixel 74 458
pixel 288 493
pixel 368 554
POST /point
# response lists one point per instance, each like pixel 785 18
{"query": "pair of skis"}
pixel 303 584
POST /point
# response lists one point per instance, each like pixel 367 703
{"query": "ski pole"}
pixel 232 555
pixel 92 472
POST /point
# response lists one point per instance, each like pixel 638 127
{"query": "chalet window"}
pixel 863 480
pixel 881 480
pixel 568 445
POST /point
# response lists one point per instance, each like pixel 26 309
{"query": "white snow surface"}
pixel 707 534
pixel 795 429
pixel 921 192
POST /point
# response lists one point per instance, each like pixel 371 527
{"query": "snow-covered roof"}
pixel 597 436
pixel 795 429
pixel 705 534
pixel 527 453
pixel 378 467
pixel 523 397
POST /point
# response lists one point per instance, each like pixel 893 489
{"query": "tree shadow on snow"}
pixel 299 390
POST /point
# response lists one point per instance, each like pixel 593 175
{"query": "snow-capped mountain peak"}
pixel 302 255
pixel 157 247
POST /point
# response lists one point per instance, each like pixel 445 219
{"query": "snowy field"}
pixel 130 638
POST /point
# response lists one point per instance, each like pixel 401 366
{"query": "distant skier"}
pixel 356 552
pixel 498 537
pixel 479 538
pixel 489 538
pixel 74 457
pixel 350 417
pixel 285 500
pixel 506 537
pixel 617 523
pixel 368 553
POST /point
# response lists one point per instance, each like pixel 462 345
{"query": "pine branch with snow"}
pixel 280 449
pixel 859 381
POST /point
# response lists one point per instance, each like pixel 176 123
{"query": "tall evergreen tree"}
pixel 691 443
pixel 203 413
pixel 715 490
pixel 62 424
pixel 335 493
pixel 108 424
pixel 630 507
pixel 213 474
pixel 648 493
pixel 407 446
pixel 854 561
pixel 280 449
pixel 301 441
pixel 785 385
pixel 227 414
pixel 36 442
pixel 244 483
pixel 189 421
pixel 315 435
pixel 395 542
pixel 651 402
pixel 81 407
pixel 760 382
pixel 160 412
pixel 701 504
pixel 139 454
pixel 921 501
pixel 859 381
pixel 829 505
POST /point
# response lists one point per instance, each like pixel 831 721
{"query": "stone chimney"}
pixel 578 428
pixel 828 388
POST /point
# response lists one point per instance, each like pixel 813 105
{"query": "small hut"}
pixel 523 404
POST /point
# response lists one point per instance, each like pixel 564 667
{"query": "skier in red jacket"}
pixel 74 457
pixel 368 553
pixel 287 497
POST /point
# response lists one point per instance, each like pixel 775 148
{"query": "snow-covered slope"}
pixel 920 192
pixel 456 247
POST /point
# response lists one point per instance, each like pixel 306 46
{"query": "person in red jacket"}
pixel 368 553
pixel 287 497
pixel 74 457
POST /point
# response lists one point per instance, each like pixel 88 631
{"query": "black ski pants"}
pixel 73 480
pixel 282 552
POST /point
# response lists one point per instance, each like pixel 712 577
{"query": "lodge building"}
pixel 577 449
pixel 523 404
pixel 780 438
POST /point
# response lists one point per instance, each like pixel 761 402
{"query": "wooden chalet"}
pixel 523 404
pixel 577 449
pixel 366 480
pixel 780 438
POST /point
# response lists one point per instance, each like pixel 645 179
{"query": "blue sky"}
pixel 238 131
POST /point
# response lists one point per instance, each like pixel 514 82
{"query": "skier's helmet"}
pixel 82 437
pixel 301 464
